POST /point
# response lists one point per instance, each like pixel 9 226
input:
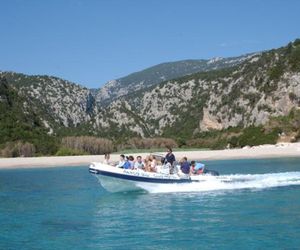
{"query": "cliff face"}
pixel 264 85
pixel 59 102
pixel 159 73
pixel 247 93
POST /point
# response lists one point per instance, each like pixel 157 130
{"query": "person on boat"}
pixel 150 164
pixel 131 161
pixel 106 158
pixel 197 168
pixel 184 166
pixel 127 164
pixel 121 162
pixel 192 168
pixel 147 163
pixel 170 157
pixel 153 163
pixel 139 164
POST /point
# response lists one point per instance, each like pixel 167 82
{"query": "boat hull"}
pixel 113 185
pixel 119 180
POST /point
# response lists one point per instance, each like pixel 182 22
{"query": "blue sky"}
pixel 93 41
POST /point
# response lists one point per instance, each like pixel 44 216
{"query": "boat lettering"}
pixel 148 175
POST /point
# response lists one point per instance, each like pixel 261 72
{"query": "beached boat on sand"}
pixel 116 179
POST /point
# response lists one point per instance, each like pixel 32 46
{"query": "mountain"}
pixel 162 72
pixel 60 102
pixel 20 120
pixel 265 85
pixel 257 96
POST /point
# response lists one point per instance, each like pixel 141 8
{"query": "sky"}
pixel 93 41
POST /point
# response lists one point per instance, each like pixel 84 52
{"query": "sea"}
pixel 255 206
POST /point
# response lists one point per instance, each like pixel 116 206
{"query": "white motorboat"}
pixel 115 179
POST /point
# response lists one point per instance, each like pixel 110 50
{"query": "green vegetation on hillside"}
pixel 39 114
pixel 250 136
pixel 21 125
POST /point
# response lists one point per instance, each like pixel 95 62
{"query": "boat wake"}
pixel 228 182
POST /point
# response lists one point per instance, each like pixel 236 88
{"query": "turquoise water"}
pixel 66 208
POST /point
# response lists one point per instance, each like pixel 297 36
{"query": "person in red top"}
pixel 196 168
pixel 192 169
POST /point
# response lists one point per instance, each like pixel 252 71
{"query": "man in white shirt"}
pixel 121 162
pixel 139 164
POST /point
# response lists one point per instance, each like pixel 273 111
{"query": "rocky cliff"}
pixel 159 73
pixel 236 92
pixel 266 84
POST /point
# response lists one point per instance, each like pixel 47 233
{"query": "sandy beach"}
pixel 263 151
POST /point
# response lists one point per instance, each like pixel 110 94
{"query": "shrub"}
pixel 295 59
pixel 69 151
pixel 253 98
pixel 287 124
pixel 234 141
pixel 276 72
pixel 205 142
pixel 147 143
pixel 88 144
pixel 297 137
pixel 18 149
pixel 253 136
pixel 26 150
pixel 235 137
pixel 297 42
pixel 292 96
pixel 181 142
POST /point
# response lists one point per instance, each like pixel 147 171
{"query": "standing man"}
pixel 170 157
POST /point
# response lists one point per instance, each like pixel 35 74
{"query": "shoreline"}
pixel 258 152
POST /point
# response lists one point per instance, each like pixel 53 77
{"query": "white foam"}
pixel 229 182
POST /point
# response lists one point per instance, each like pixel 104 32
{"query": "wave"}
pixel 229 182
